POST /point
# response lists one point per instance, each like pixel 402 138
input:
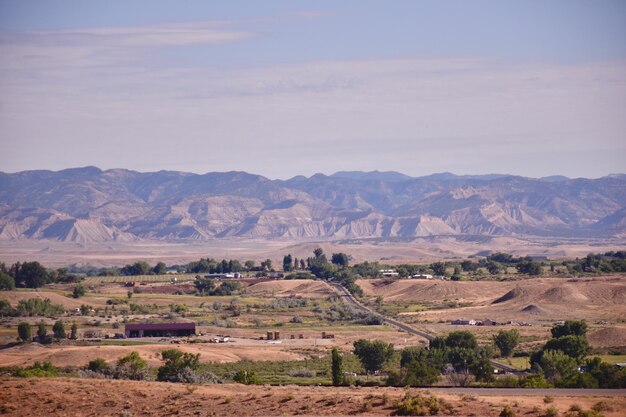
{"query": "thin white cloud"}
pixel 107 46
pixel 89 97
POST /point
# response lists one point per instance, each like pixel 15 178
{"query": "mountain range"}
pixel 91 205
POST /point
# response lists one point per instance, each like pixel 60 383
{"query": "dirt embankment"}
pixel 68 303
pixel 541 299
pixel 91 397
pixel 69 355
pixel 286 288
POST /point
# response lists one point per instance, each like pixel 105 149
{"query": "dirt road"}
pixel 343 292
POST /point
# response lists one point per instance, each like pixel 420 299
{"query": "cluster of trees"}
pixel 420 366
pixel 494 264
pixel 24 332
pixel 559 359
pixel 614 261
pixel 211 266
pixel 143 268
pixel 177 367
pixel 208 286
pixel 31 307
pixel 32 275
pixel 460 357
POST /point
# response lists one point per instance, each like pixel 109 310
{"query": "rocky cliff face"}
pixel 90 205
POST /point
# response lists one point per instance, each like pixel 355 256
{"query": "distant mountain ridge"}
pixel 91 205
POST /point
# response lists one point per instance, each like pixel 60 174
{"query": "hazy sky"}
pixel 282 88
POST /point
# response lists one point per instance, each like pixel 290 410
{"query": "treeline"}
pixel 35 275
pixel 31 307
pixel 606 263
pixel 32 275
pixel 562 362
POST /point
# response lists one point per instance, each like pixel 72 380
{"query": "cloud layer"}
pixel 107 97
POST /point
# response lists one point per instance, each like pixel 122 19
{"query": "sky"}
pixel 285 88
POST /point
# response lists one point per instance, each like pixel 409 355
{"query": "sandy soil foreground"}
pixel 90 397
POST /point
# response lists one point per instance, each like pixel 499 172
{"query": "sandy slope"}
pixel 298 287
pixel 91 397
pixel 14 297
pixel 531 299
pixel 67 355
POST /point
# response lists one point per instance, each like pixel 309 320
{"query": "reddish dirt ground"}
pixel 91 397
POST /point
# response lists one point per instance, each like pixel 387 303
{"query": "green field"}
pixel 317 370
pixel 138 278
pixel 613 358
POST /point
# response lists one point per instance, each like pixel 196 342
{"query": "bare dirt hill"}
pixel 608 337
pixel 544 299
pixel 287 288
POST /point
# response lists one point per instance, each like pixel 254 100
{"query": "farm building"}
pixel 464 322
pixel 160 329
pixel 224 275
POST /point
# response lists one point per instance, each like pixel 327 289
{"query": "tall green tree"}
pixel 494 268
pixel 42 332
pixel 461 339
pixel 570 328
pixel 24 332
pixel 337 367
pixel 557 366
pixel 439 268
pixel 340 259
pixel 482 369
pixel 529 267
pixel 506 341
pixel 287 263
pixel 573 346
pixel 204 285
pixel 7 282
pixel 30 275
pixel 420 374
pixel 58 329
pixel 159 269
pixel 78 291
pixel 374 354
pixel 74 331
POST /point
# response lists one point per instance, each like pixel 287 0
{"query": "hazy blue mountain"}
pixel 388 176
pixel 89 205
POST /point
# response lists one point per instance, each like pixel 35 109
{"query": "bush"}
pixel 507 411
pixel 131 366
pixel 79 291
pixel 179 366
pixel 296 319
pixel 38 370
pixel 38 307
pixel 507 381
pixel 551 412
pixel 245 377
pixel 421 405
pixel 7 282
pixel 99 365
pixel 602 406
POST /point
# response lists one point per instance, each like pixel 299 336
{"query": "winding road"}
pixel 343 292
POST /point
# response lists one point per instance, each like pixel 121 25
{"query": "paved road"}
pixel 515 392
pixel 403 326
